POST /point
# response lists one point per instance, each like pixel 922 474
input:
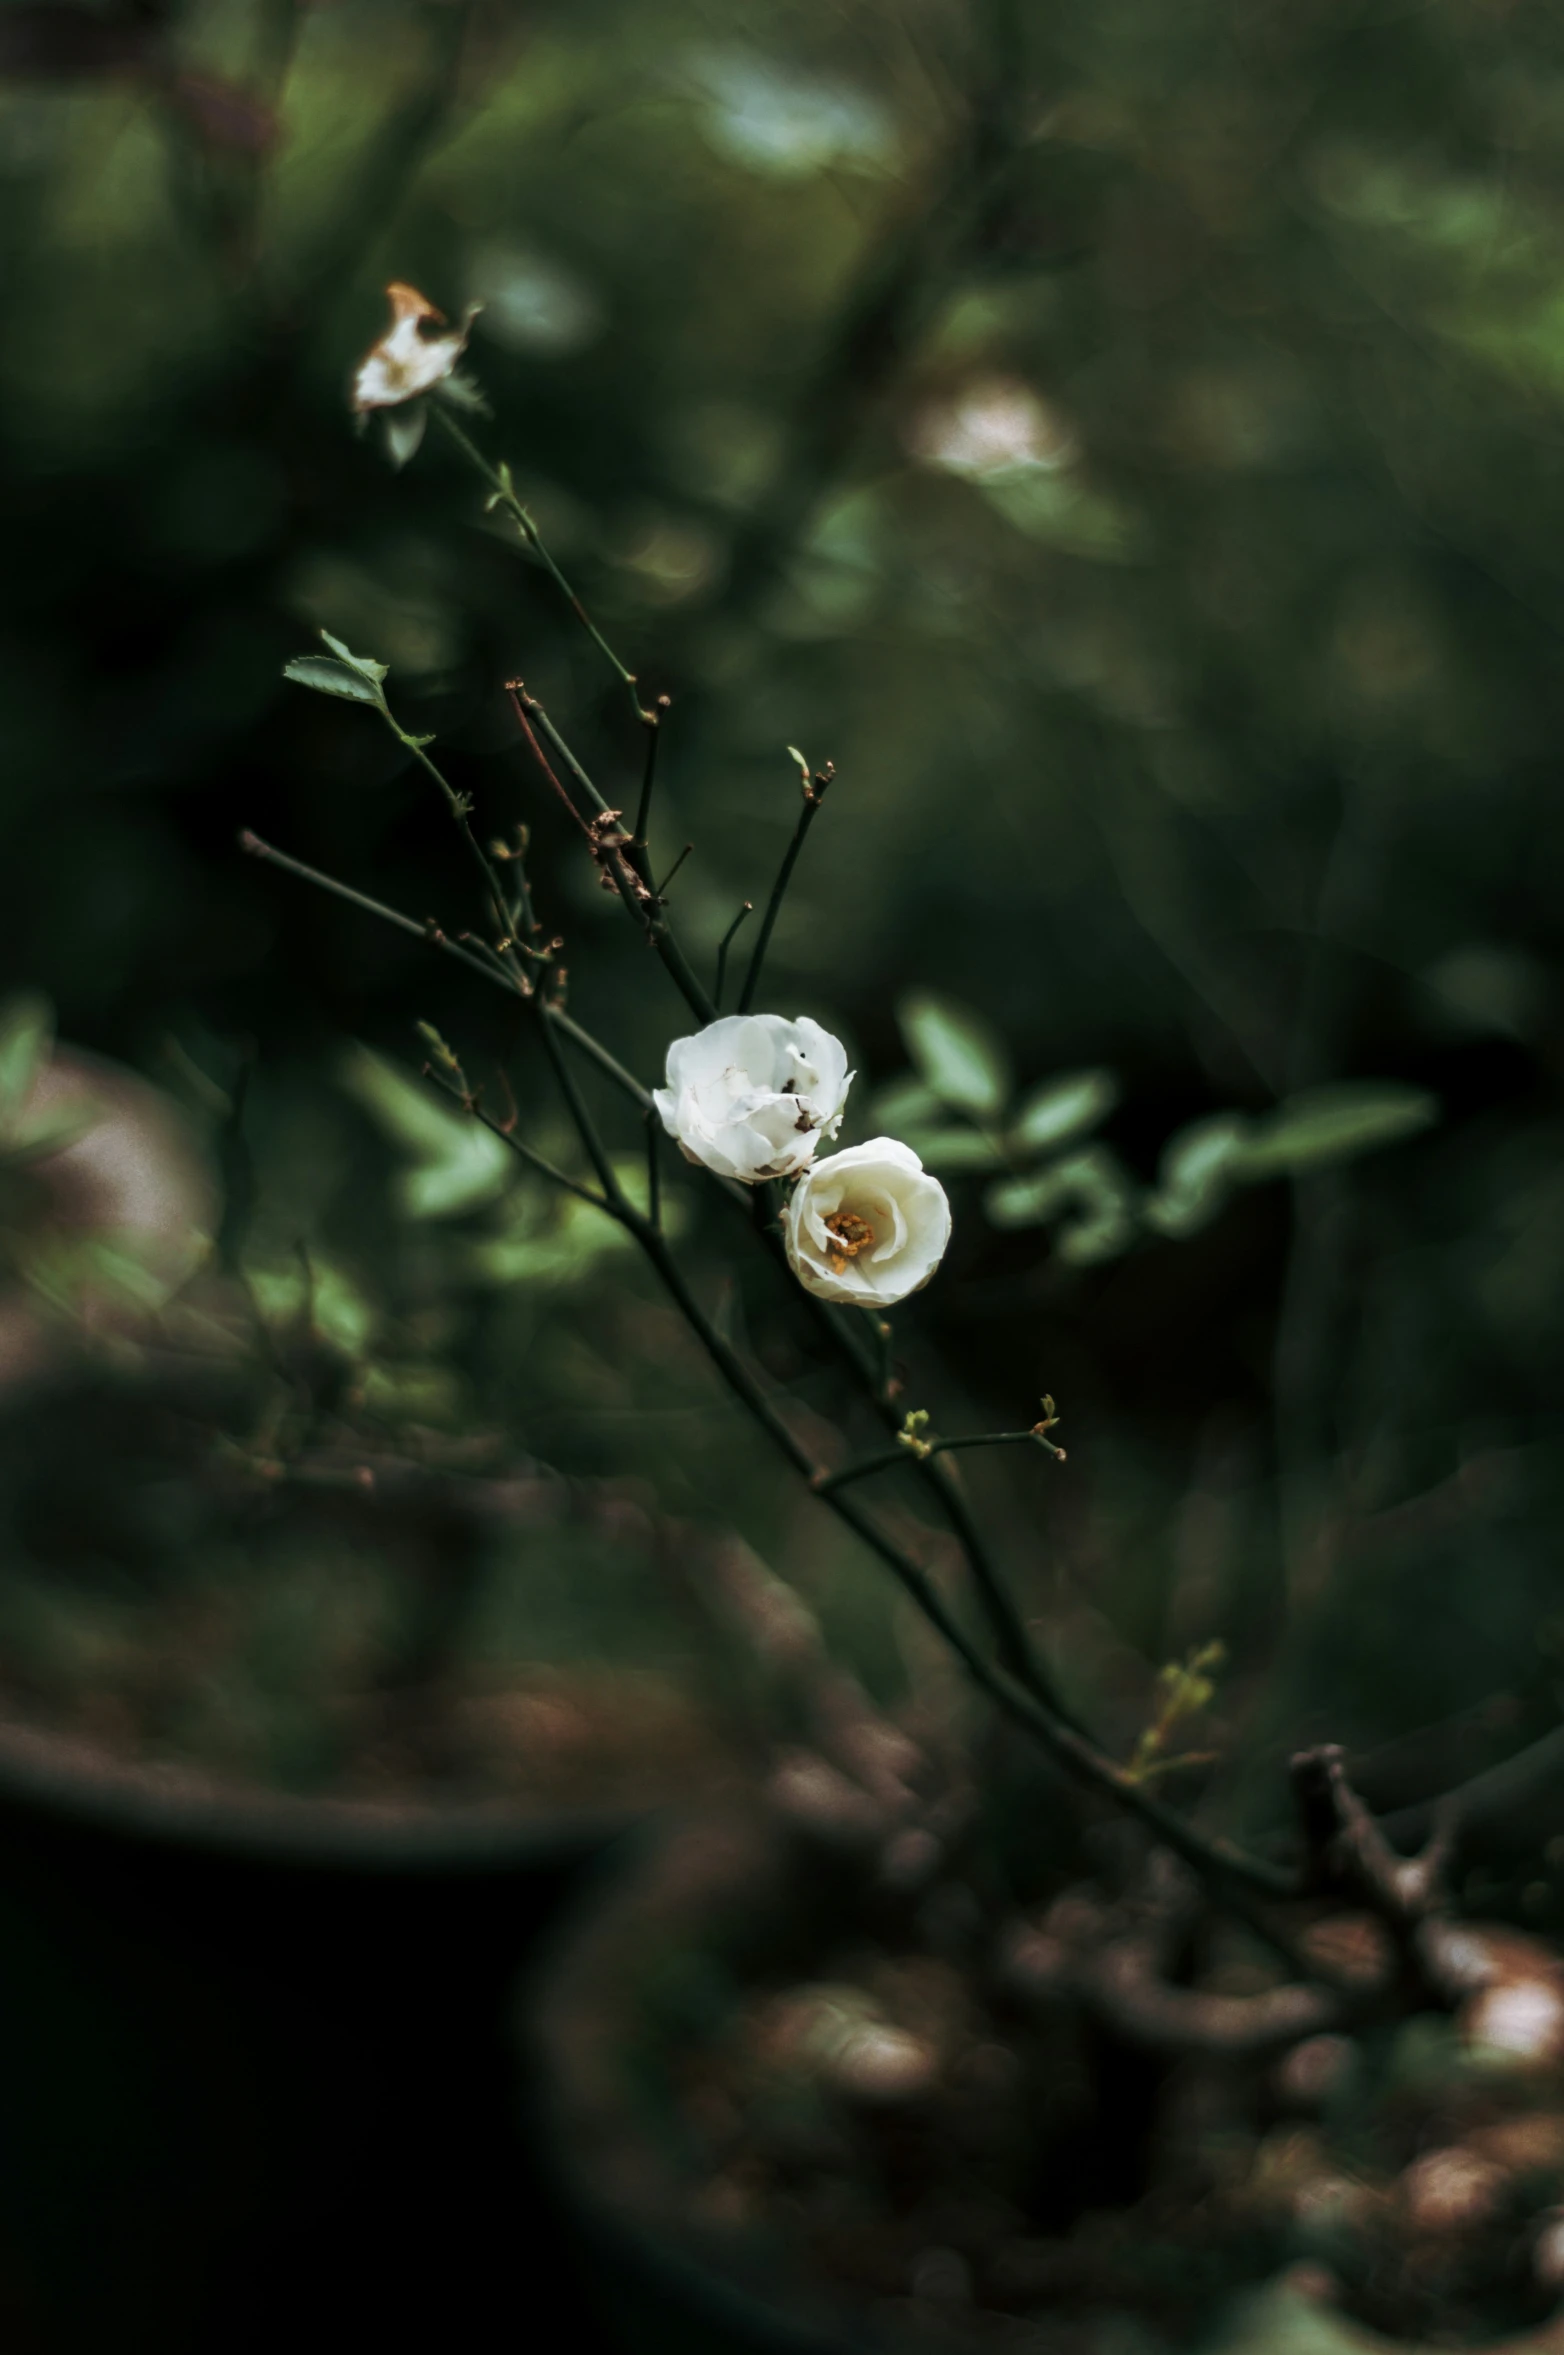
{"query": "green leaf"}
pixel 1089 1195
pixel 1200 1167
pixel 26 1037
pixel 955 1052
pixel 951 1148
pixel 331 678
pixel 1283 2320
pixel 459 1164
pixel 1064 1108
pixel 1326 1124
pixel 904 1103
pixel 365 664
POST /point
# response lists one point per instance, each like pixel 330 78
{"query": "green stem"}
pixel 504 495
pixel 894 1458
pixel 639 848
pixel 517 1145
pixel 748 909
pixel 430 935
pixel 814 794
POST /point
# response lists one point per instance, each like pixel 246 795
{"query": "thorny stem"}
pixel 503 494
pixel 814 794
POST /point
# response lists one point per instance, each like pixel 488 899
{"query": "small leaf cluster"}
pixel 958 1111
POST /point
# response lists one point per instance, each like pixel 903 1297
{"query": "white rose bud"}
pixel 868 1225
pixel 752 1095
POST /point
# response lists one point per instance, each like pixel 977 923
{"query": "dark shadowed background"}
pixel 1128 440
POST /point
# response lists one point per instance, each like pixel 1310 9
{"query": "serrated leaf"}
pixel 460 1164
pixel 26 1037
pixel 1200 1167
pixel 1327 1124
pixel 1089 1195
pixel 1064 1108
pixel 956 1053
pixel 331 678
pixel 365 664
pixel 404 431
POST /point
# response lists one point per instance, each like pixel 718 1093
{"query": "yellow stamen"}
pixel 852 1235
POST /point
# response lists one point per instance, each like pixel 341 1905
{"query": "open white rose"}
pixel 406 362
pixel 869 1225
pixel 752 1095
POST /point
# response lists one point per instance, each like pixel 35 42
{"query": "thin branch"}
pixel 662 888
pixel 919 1451
pixel 586 1127
pixel 503 494
pixel 748 909
pixel 639 850
pixel 517 691
pixel 610 848
pixel 569 1027
pixel 470 1104
pixel 654 1170
pixel 429 933
pixel 432 937
pixel 814 793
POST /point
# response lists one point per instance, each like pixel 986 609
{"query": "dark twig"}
pixel 814 793
pixel 639 850
pixel 429 932
pixel 461 1094
pixel 914 1450
pixel 748 909
pixel 662 888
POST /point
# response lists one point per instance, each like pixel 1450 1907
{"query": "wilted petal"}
pixel 406 361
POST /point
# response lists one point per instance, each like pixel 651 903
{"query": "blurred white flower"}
pixel 996 425
pixel 750 1096
pixel 777 120
pixel 532 304
pixel 869 1225
pixel 406 362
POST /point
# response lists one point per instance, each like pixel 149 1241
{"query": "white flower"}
pixel 406 362
pixel 869 1225
pixel 752 1095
